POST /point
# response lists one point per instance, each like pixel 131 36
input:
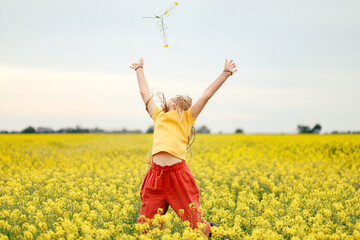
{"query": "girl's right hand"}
pixel 140 63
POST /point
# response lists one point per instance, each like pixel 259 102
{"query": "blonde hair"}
pixel 183 103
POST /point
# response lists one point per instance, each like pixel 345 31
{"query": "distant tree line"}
pixel 306 129
pixel 317 129
pixel 78 129
pixel 203 129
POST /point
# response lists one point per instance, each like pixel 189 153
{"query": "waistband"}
pixel 169 168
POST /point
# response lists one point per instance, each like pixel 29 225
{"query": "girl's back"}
pixel 171 134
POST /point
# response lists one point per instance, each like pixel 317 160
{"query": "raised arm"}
pixel 144 89
pixel 209 91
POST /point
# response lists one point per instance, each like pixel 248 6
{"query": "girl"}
pixel 169 180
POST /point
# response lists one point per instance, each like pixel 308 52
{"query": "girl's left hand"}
pixel 230 66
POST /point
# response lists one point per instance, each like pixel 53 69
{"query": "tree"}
pixel 29 130
pixel 44 130
pixel 316 128
pixel 150 130
pixel 306 129
pixel 239 130
pixel 203 129
pixel 303 129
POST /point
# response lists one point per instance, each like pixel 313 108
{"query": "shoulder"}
pixel 189 116
pixel 156 112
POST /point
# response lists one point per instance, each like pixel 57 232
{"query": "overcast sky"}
pixel 66 63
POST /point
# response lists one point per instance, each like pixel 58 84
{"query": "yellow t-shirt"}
pixel 169 134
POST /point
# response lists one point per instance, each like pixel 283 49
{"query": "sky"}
pixel 67 63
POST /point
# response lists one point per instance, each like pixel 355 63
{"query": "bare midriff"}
pixel 164 158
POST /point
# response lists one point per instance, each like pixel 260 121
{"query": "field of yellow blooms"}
pixel 86 186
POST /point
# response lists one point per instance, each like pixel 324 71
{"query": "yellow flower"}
pixel 186 223
pixel 166 237
pixel 91 183
pixel 338 206
pixel 201 226
pixel 181 212
pixel 32 228
pixel 31 209
pixel 92 215
pixel 28 235
pixel 85 207
pixel 160 210
pixel 42 226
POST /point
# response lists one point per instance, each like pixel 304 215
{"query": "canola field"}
pixel 86 186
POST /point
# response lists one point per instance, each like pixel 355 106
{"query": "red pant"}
pixel 171 185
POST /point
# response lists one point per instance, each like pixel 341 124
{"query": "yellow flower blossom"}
pixel 71 186
pixel 160 210
pixel 181 211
